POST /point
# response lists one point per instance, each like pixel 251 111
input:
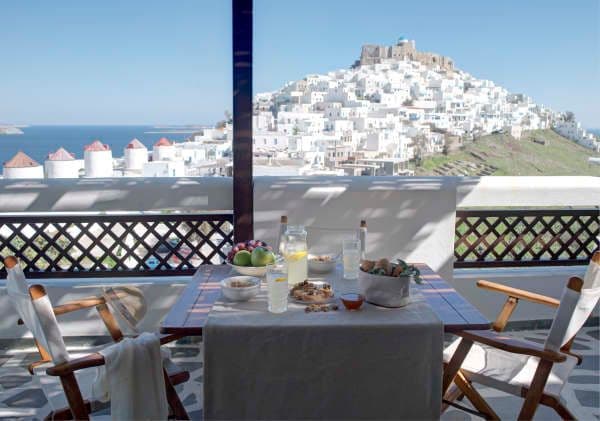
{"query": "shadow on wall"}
pixel 411 218
pixel 116 194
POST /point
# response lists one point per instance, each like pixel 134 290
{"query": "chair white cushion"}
pixel 507 371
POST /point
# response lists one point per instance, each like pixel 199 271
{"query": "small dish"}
pixel 324 292
pixel 240 288
pixel 321 263
pixel 249 270
pixel 352 301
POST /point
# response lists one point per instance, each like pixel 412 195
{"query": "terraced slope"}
pixel 538 152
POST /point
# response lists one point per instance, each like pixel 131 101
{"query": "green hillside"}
pixel 501 154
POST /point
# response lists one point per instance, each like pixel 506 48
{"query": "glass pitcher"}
pixel 296 254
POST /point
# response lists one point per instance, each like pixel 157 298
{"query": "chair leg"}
pixel 562 411
pixel 555 404
pixel 536 390
pixel 455 363
pixel 65 413
pixel 74 398
pixel 174 402
pixel 454 393
pixel 474 397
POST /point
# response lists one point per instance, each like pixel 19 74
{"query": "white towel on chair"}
pixel 133 380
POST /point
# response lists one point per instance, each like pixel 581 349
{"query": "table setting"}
pixel 297 335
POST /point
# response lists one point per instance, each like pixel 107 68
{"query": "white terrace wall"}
pixel 407 217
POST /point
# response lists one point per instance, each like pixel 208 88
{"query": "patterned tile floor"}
pixel 21 399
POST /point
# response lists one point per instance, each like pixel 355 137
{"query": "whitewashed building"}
pixel 163 150
pixel 164 169
pixel 62 164
pixel 572 130
pixel 22 166
pixel 193 153
pixel 136 155
pixel 98 160
pixel 270 141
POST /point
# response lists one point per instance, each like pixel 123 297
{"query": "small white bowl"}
pixel 317 266
pixel 240 293
pixel 249 270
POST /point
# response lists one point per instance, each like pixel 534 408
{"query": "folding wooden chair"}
pixel 535 372
pixel 69 398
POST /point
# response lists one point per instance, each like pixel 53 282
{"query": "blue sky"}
pixel 157 62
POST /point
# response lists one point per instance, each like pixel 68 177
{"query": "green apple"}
pixel 262 257
pixel 242 258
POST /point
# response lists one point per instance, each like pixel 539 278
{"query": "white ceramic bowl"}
pixel 387 291
pixel 240 293
pixel 249 270
pixel 317 266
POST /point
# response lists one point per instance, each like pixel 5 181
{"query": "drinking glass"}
pixel 277 287
pixel 351 258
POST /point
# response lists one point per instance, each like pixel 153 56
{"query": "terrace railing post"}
pixel 243 205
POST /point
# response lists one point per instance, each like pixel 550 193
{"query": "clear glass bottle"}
pixel 296 254
pixel 280 246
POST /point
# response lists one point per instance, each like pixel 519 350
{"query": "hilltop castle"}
pixel 403 50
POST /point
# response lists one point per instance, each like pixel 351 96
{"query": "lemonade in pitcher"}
pixel 296 254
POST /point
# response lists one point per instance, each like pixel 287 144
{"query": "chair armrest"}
pixel 519 293
pixel 170 337
pixel 572 354
pixel 78 305
pixel 94 360
pixel 513 345
pixel 75 305
pixel 91 360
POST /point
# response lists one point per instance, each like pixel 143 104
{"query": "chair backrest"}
pixel 128 305
pixel 576 304
pixel 327 240
pixel 35 309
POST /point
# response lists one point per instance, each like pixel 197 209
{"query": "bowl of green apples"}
pixel 251 258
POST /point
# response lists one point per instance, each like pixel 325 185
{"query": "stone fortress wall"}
pixel 403 50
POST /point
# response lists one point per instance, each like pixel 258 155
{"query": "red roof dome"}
pixel 20 160
pixel 96 145
pixel 61 154
pixel 163 141
pixel 135 144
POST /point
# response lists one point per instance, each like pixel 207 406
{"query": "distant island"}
pixel 10 130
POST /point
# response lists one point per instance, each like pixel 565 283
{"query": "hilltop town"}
pixel 394 105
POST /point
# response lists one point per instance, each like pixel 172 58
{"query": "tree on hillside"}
pixel 569 116
pixel 420 149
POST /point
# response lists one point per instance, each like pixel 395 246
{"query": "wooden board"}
pixel 188 316
pixel 452 308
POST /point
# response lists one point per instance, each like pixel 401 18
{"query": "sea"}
pixel 39 141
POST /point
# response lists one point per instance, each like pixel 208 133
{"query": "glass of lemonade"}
pixel 277 287
pixel 296 254
pixel 351 258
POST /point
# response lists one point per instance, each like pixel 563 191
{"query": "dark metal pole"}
pixel 242 120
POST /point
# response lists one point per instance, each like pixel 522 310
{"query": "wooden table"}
pixel 188 316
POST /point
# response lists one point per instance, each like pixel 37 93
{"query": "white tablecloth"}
pixel 375 363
